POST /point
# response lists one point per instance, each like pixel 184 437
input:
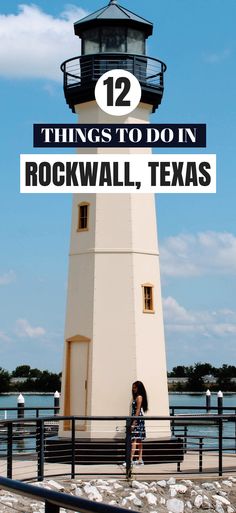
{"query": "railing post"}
pixel 220 412
pixel 128 448
pixel 40 448
pixel 51 508
pixel 56 403
pixel 93 68
pixel 134 65
pixel 73 448
pixel 20 407
pixel 235 431
pixel 220 447
pixel 208 400
pixel 64 77
pixel 172 422
pixel 185 438
pixel 161 76
pixel 9 450
pixel 200 453
pixel 220 402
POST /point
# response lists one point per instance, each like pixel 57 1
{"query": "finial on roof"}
pixel 112 2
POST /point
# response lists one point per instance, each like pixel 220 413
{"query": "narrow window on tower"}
pixel 148 302
pixel 83 217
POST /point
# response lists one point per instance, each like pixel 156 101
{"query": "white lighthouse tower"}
pixel 114 331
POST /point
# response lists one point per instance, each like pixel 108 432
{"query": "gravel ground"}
pixel 163 496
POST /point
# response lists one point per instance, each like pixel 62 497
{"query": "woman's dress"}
pixel 138 432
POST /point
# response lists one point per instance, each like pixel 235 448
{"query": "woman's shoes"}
pixel 136 462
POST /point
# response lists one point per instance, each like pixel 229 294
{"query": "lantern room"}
pixel 112 38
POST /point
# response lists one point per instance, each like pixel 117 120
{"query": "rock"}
pixel 162 483
pixel 222 493
pixel 78 492
pixel 105 488
pixel 137 502
pixel 143 494
pixel 198 501
pixel 93 493
pixel 208 486
pixel 56 486
pixel 175 505
pixel 131 497
pixel 221 499
pixel 189 505
pixel 230 509
pixel 219 508
pixel 179 488
pixel 123 502
pixel 141 486
pixel 226 482
pixel 152 500
pixel 233 479
pixel 173 492
pixel 152 489
pixel 171 481
pixel 162 501
pixel 117 486
pixel 206 503
pixel 217 484
pixel 7 498
pixel 101 482
pixel 187 482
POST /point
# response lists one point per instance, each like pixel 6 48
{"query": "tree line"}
pixel 199 377
pixel 34 380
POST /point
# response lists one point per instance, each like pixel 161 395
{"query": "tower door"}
pixel 77 355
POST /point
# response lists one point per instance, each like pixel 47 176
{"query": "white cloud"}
pixel 208 323
pixel 33 43
pixel 195 255
pixel 24 329
pixel 4 337
pixel 216 57
pixel 7 278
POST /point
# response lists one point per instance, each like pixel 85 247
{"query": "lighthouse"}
pixel 114 333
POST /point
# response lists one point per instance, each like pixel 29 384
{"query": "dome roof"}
pixel 112 14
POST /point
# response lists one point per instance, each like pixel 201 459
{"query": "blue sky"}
pixel 197 233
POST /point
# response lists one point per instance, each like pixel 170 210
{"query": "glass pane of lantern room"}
pixel 91 41
pixel 113 39
pixel 135 42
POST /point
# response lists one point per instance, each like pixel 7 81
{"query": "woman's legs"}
pixel 140 451
pixel 137 444
pixel 133 449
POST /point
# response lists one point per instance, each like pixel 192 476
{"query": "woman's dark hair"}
pixel 141 391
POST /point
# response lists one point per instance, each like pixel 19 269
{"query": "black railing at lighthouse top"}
pixel 79 71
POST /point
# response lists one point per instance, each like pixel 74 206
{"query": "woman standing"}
pixel 139 406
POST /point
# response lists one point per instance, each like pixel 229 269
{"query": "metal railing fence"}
pixel 37 411
pixel 37 448
pixel 82 70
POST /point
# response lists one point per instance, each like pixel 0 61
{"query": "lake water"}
pixel 47 400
